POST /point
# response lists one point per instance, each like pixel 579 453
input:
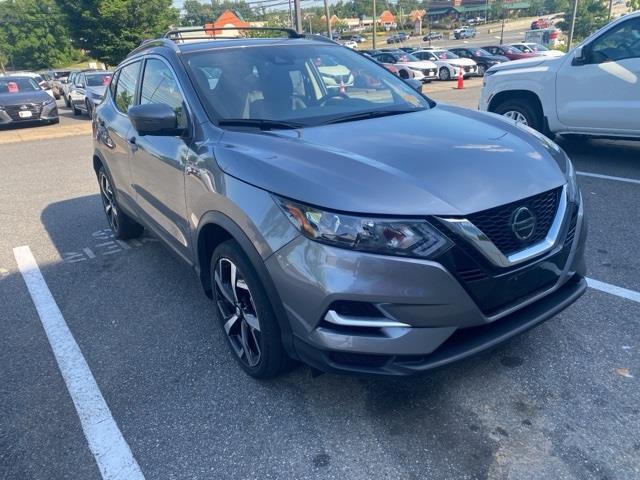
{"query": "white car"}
pixel 424 71
pixel 537 49
pixel 449 64
pixel 352 44
pixel 592 90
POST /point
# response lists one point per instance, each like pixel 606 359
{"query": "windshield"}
pixel 406 57
pixel 445 55
pixel 509 49
pixel 17 85
pixel 302 84
pixel 98 79
pixel 479 52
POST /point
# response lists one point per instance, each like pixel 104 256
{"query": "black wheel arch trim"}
pixel 221 220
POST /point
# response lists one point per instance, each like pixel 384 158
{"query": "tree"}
pixel 591 15
pixel 196 13
pixel 634 5
pixel 109 29
pixel 33 35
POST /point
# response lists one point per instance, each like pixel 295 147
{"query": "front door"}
pixel 601 94
pixel 158 162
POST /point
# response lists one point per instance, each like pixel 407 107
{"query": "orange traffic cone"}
pixel 460 79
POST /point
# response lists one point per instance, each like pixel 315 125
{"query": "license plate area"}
pixel 25 114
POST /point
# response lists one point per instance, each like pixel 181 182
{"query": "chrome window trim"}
pixel 488 249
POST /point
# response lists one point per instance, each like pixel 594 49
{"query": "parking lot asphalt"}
pixel 560 402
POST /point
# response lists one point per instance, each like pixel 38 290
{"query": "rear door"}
pixel 158 162
pixel 601 94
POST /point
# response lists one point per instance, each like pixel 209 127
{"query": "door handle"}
pixel 191 170
pixel 133 142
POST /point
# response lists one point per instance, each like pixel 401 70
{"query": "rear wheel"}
pixel 76 112
pixel 88 106
pixel 245 313
pixel 67 102
pixel 522 111
pixel 123 226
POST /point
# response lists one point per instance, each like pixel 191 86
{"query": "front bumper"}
pixel 39 114
pixel 438 321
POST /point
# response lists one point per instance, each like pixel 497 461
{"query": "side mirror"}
pixel 155 119
pixel 579 57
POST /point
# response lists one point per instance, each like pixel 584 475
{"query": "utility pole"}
pixel 375 24
pixel 610 8
pixel 502 31
pixel 290 15
pixel 326 14
pixel 573 24
pixel 298 11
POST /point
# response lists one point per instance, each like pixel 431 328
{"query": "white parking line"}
pixel 614 290
pixel 609 177
pixel 111 451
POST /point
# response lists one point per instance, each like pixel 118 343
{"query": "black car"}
pixel 432 36
pixel 484 59
pixel 22 100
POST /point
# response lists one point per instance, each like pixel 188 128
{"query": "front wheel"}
pixel 245 313
pixel 481 70
pixel 522 111
pixel 444 74
pixel 122 225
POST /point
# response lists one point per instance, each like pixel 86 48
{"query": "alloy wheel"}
pixel 108 201
pixel 517 116
pixel 238 311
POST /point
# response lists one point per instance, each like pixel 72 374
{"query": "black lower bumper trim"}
pixel 463 343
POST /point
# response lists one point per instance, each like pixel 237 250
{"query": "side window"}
pixel 126 86
pixel 617 44
pixel 159 85
pixel 80 80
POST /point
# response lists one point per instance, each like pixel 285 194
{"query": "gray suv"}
pixel 335 215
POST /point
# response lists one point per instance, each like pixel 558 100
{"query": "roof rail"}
pixel 154 42
pixel 176 34
pixel 320 38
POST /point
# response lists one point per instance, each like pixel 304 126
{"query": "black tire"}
pixel 481 69
pixel 67 102
pixel 444 74
pixel 87 104
pixel 524 107
pixel 76 112
pixel 123 226
pixel 273 359
pixel 403 74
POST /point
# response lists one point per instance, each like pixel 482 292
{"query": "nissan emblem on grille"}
pixel 523 223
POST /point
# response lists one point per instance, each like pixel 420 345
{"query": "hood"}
pixel 524 63
pixel 465 62
pixel 443 161
pixel 420 65
pixel 38 96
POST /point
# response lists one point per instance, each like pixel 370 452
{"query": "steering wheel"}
pixel 331 95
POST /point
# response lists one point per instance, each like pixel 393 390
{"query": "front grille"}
pixel 13 111
pixel 495 223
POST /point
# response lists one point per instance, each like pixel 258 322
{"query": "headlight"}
pixel 411 238
pixel 573 191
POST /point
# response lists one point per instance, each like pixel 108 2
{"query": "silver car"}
pixel 364 228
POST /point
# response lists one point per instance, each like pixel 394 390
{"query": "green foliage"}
pixel 33 35
pixel 634 5
pixel 109 29
pixel 555 6
pixel 197 14
pixel 591 15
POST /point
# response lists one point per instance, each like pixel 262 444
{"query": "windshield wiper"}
pixel 262 124
pixel 371 114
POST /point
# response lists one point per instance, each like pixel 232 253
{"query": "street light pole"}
pixel 375 24
pixel 502 31
pixel 573 24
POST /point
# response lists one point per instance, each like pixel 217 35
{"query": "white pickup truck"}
pixel 592 90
